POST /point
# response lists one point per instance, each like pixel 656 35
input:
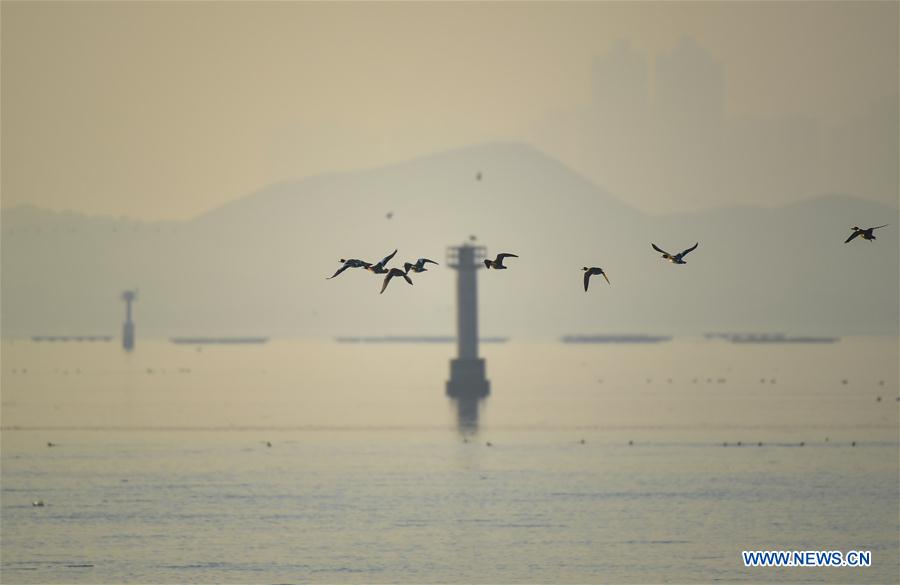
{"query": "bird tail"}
pixel 487 263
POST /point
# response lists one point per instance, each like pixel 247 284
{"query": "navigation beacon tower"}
pixel 467 377
pixel 128 328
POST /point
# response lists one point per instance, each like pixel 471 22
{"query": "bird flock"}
pixel 380 267
pixel 497 263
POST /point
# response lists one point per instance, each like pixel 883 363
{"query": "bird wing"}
pixel 606 277
pixel 689 250
pixel 658 249
pixel 587 279
pixel 387 279
pixel 407 266
pixel 879 227
pixel 505 255
pixel 408 279
pixel 388 258
pixel 426 261
pixel 339 270
pixel 853 235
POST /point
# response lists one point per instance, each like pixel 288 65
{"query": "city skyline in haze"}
pixel 169 111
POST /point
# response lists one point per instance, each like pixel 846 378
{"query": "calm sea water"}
pixel 161 470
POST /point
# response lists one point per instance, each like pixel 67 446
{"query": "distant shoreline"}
pixel 414 339
pixel 623 338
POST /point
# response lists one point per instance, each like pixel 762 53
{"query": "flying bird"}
pixel 379 267
pixel 497 263
pixel 866 234
pixel 419 266
pixel 589 272
pixel 677 258
pixel 391 274
pixel 351 263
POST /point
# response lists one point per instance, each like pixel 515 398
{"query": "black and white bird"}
pixel 351 263
pixel 677 258
pixel 391 274
pixel 497 263
pixel 419 265
pixel 867 234
pixel 379 267
pixel 589 272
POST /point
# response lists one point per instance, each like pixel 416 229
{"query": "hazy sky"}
pixel 165 110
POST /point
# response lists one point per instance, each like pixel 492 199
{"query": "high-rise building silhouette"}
pixel 620 84
pixel 689 87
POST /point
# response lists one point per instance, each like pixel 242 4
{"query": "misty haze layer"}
pixel 166 110
pixel 258 265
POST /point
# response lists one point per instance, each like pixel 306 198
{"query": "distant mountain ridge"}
pixel 256 265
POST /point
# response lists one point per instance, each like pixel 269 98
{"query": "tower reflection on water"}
pixel 467 385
